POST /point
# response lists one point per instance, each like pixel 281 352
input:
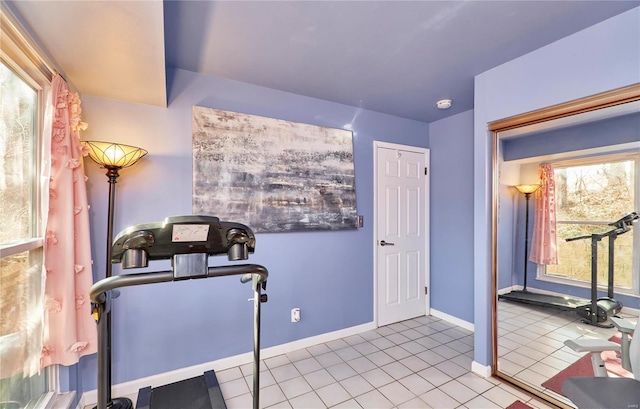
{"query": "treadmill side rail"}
pixel 99 294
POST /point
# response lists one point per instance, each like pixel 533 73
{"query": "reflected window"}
pixel 589 196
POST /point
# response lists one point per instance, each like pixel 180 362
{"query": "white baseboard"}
pixel 478 369
pixel 132 387
pixel 453 320
pixel 631 311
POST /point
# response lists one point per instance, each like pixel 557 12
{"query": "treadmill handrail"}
pixel 622 225
pixel 599 236
pixel 579 237
pixel 98 291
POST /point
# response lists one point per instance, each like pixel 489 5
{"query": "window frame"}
pixel 541 273
pixel 36 228
pixel 20 52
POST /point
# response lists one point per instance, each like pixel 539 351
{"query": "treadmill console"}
pixel 626 221
pixel 195 237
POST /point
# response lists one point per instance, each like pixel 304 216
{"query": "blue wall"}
pixel 510 250
pixel 329 275
pixel 606 132
pixel 451 144
pixel 603 57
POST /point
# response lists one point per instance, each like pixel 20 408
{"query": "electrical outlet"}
pixel 295 315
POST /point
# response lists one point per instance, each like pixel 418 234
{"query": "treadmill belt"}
pixel 544 300
pixel 202 392
pixel 188 394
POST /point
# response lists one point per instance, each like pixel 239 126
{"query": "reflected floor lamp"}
pixel 112 157
pixel 527 190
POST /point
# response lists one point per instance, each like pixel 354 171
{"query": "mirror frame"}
pixel 606 99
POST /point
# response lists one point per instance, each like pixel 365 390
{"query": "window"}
pixel 589 195
pixel 22 85
pixel 20 240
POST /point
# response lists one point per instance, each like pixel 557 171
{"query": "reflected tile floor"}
pixel 419 363
pixel 531 341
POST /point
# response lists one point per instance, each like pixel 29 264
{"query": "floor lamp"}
pixel 112 157
pixel 527 190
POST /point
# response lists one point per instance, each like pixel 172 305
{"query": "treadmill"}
pixel 187 241
pixel 597 310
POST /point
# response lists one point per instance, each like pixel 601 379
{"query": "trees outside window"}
pixel 22 86
pixel 589 195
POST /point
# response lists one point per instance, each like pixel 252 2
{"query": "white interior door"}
pixel 401 230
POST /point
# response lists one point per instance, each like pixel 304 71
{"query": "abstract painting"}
pixel 272 175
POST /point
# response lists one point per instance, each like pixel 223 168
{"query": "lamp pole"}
pixel 112 174
pixel 113 157
pixel 526 239
pixel 527 190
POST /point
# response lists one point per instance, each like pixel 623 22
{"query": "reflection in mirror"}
pixel 567 252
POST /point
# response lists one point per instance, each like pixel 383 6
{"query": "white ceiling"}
pixel 111 49
pixel 395 57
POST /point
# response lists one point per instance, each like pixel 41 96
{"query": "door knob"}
pixel 384 243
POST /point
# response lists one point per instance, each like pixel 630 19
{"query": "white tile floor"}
pixel 419 363
pixel 531 341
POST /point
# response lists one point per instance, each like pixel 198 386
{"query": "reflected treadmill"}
pixel 187 241
pixel 597 310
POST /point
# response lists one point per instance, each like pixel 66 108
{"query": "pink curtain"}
pixel 543 244
pixel 70 331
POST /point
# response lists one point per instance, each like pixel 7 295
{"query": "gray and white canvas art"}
pixel 270 174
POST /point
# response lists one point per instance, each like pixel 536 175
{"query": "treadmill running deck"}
pixel 544 300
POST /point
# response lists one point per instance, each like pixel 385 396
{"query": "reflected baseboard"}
pixel 507 290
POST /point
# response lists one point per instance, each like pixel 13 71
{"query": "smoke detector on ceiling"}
pixel 444 104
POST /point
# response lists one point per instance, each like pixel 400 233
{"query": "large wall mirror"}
pixel 584 157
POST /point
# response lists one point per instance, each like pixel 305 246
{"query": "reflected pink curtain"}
pixel 70 331
pixel 543 244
